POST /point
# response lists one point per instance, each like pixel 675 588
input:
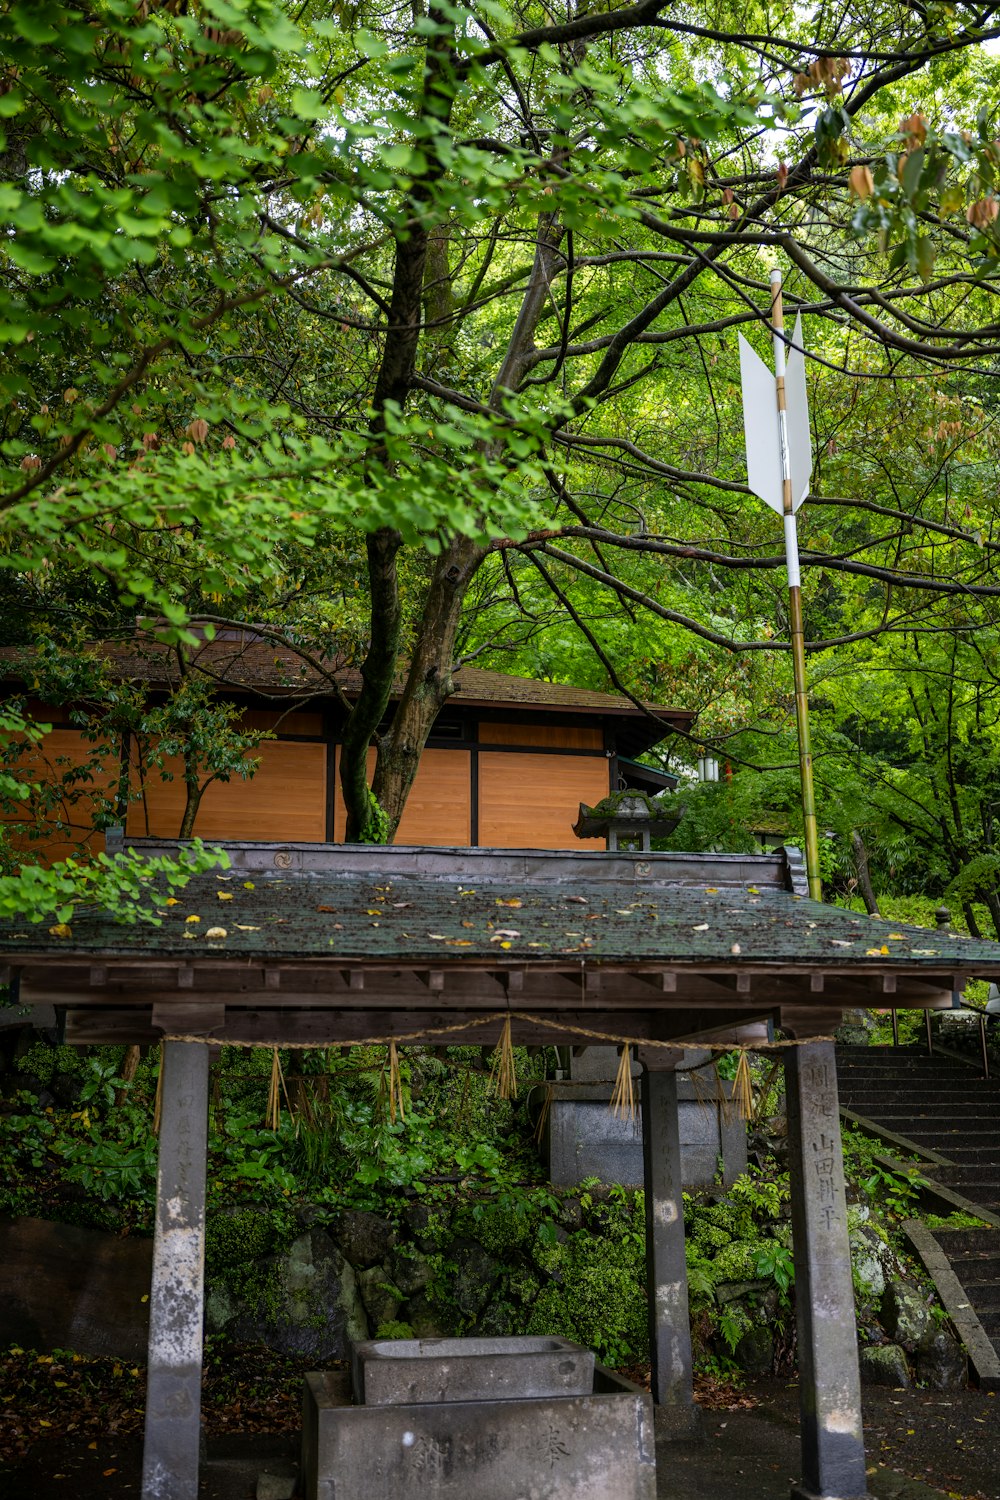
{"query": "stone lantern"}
pixel 629 820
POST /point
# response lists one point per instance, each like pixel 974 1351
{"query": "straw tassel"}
pixel 503 1078
pixel 278 1087
pixel 543 1115
pixel 743 1088
pixel 623 1094
pixel 395 1086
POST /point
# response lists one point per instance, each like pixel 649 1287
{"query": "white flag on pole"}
pixel 762 429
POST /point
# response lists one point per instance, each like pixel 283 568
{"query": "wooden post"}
pixel 666 1266
pixel 833 1454
pixel 173 1394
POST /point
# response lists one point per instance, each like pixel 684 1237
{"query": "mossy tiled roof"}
pixel 414 920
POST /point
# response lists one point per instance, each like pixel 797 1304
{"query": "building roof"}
pixel 254 665
pixel 395 905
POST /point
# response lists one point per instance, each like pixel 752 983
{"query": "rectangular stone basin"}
pixel 412 1372
pixel 594 1447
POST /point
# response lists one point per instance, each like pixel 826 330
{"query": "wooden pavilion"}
pixel 324 944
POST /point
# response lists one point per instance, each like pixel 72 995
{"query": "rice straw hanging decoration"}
pixel 274 1092
pixel 503 1077
pixel 623 1095
pixel 396 1106
pixel 543 1115
pixel 743 1088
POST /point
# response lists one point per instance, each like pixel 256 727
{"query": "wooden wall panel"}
pixel 295 721
pixel 47 762
pixel 545 736
pixel 532 801
pixel 285 800
pixel 439 808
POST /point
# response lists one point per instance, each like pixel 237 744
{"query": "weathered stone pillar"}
pixel 173 1392
pixel 833 1455
pixel 666 1267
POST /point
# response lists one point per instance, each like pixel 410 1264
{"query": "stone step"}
pixel 984 1178
pixel 972 1271
pixel 968 1241
pixel 949 1112
pixel 972 1156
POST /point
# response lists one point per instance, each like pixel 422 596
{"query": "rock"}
pixel 904 1313
pixel 411 1273
pixel 885 1364
pixel 941 1361
pixel 305 1301
pixel 872 1260
pixel 422 1225
pixel 734 1291
pixel 427 1320
pixel 755 1351
pixel 380 1296
pixel 366 1239
pixel 72 1288
pixel 474 1280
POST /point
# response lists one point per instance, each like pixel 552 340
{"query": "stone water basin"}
pixel 415 1372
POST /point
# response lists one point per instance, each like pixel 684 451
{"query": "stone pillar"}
pixel 666 1267
pixel 833 1454
pixel 173 1393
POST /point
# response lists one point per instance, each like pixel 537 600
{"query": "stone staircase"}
pixel 941 1107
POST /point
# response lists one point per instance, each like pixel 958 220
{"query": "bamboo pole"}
pixel 795 601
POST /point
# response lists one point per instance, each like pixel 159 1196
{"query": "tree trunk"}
pixel 191 807
pixel 864 877
pixel 428 682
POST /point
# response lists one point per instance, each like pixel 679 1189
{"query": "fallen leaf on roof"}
pixel 505 945
pixel 701 927
pixel 504 932
pixel 468 924
pixel 242 927
pixel 711 890
pixel 897 935
pixel 248 885
pixel 374 911
pixel 171 901
pixel 580 900
pixel 452 942
pixel 876 952
pixel 841 943
pixel 735 948
pixel 438 937
pixel 192 918
pixel 400 904
pixel 508 900
pixel 325 908
pixel 752 890
pixel 216 932
pixel 925 952
pixel 224 895
pixel 622 912
pixel 61 930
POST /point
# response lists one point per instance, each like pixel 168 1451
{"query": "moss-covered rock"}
pixel 598 1301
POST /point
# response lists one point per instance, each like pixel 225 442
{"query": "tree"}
pixel 440 300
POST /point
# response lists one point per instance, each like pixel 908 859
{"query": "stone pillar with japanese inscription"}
pixel 172 1446
pixel 833 1455
pixel 666 1264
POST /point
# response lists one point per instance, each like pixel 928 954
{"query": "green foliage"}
pixel 598 1300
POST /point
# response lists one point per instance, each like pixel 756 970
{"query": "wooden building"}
pixel 507 765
